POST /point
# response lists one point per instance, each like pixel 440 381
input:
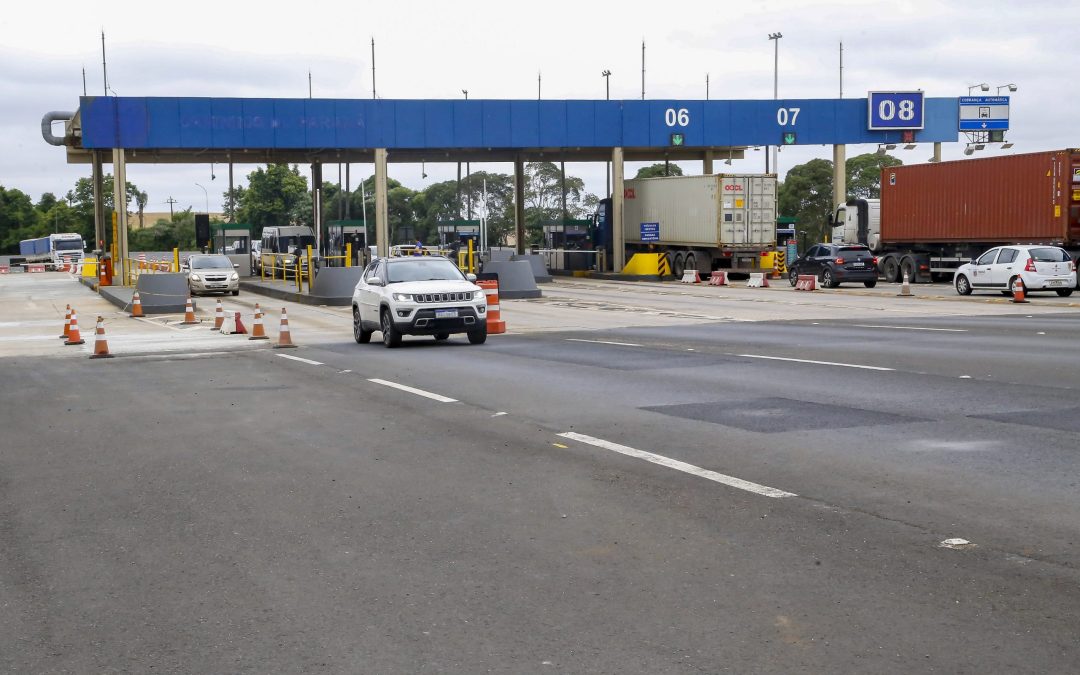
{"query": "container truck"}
pixel 703 223
pixel 51 250
pixel 932 218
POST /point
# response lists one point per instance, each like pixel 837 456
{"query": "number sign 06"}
pixel 673 117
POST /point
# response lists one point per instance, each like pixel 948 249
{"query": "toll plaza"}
pixel 380 131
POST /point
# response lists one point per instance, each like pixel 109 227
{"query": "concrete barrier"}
pixel 336 282
pixel 539 268
pixel 806 282
pixel 718 279
pixel 516 279
pixel 690 277
pixel 757 280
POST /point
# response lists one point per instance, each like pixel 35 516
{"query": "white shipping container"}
pixel 721 210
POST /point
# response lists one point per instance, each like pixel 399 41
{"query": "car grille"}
pixel 444 297
pixel 215 278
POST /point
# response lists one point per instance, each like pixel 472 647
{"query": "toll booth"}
pixel 785 229
pixel 457 233
pixel 342 232
pixel 232 238
pixel 574 235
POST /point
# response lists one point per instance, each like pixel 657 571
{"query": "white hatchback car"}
pixel 1042 268
pixel 421 295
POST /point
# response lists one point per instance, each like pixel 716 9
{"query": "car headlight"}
pixel 290 261
pixel 403 297
pixel 195 277
pixel 234 277
pixel 479 295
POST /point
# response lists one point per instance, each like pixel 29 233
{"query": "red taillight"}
pixel 1072 266
pixel 839 261
pixel 1030 266
pixel 874 261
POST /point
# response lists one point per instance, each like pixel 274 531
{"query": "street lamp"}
pixel 466 92
pixel 607 165
pixel 207 196
pixel 1010 87
pixel 775 37
pixel 981 87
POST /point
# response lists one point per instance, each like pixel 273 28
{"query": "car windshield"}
pixel 854 248
pixel 421 269
pixel 68 245
pixel 296 241
pixel 211 262
pixel 1048 254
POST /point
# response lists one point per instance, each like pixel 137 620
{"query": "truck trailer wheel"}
pixel 690 261
pixel 908 267
pixel 890 269
pixel 678 265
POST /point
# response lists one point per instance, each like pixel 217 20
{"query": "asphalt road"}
pixel 710 496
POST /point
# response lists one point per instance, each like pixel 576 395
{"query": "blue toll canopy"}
pixel 187 129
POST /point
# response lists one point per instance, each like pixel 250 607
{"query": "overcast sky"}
pixel 495 49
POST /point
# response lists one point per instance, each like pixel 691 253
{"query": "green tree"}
pixel 659 170
pixel 806 195
pixel 18 219
pixel 276 195
pixel 544 198
pixel 864 174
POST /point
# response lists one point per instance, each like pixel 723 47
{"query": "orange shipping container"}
pixel 1028 198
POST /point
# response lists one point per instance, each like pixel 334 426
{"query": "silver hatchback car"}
pixel 1042 268
pixel 212 273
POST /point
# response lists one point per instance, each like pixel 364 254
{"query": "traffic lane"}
pixel 997 457
pixel 354 539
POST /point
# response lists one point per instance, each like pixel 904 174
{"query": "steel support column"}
pixel 382 216
pixel 519 202
pixel 839 159
pixel 618 235
pixel 707 163
pixel 120 207
pixel 98 179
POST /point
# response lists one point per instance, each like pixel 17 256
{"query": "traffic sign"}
pixel 984 113
pixel 650 232
pixel 893 110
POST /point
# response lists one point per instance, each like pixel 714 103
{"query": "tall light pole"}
pixel 206 195
pixel 981 87
pixel 468 174
pixel 775 37
pixel 607 165
pixel 1010 87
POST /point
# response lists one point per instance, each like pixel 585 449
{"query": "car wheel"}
pixel 1012 285
pixel 478 337
pixel 870 284
pixel 439 337
pixel 1064 292
pixel 359 334
pixel 793 276
pixel 390 335
pixel 827 279
pixel 236 292
pixel 963 286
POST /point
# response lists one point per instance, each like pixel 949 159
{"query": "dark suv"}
pixel 833 264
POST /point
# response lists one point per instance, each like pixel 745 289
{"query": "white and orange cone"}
pixel 219 316
pixel 101 346
pixel 67 323
pixel 74 338
pixel 284 336
pixel 136 306
pixel 257 331
pixel 189 314
pixel 1018 290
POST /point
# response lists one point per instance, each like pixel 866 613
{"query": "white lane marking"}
pixel 178 357
pixel 297 358
pixel 730 481
pixel 498 414
pixel 412 390
pixel 604 342
pixel 941 330
pixel 818 363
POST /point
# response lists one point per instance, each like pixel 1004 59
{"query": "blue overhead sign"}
pixel 201 124
pixel 895 110
pixel 650 232
pixel 983 113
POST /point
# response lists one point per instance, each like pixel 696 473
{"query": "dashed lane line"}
pixel 297 358
pixel 604 342
pixel 730 481
pixel 412 390
pixel 817 363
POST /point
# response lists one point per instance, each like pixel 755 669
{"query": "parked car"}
pixel 834 264
pixel 425 295
pixel 211 273
pixel 1043 268
pixel 256 251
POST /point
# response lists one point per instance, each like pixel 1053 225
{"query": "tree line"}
pixel 278 194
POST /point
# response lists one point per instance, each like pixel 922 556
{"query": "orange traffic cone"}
pixel 240 330
pixel 284 336
pixel 219 316
pixel 101 347
pixel 67 323
pixel 189 314
pixel 74 338
pixel 495 324
pixel 1018 290
pixel 257 331
pixel 136 306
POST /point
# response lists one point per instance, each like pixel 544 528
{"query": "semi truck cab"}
pixel 858 222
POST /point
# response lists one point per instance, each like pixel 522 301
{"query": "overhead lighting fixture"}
pixel 890 146
pixel 1006 146
pixel 969 150
pixel 909 146
pixel 980 146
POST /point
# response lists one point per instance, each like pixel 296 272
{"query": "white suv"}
pixel 1043 268
pixel 422 295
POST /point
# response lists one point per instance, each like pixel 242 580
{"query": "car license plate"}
pixel 446 314
pixel 858 264
pixel 1056 282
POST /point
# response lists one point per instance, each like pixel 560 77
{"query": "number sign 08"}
pixel 895 110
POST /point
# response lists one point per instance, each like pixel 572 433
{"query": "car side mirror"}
pixel 471 277
pixel 375 281
pixel 236 266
